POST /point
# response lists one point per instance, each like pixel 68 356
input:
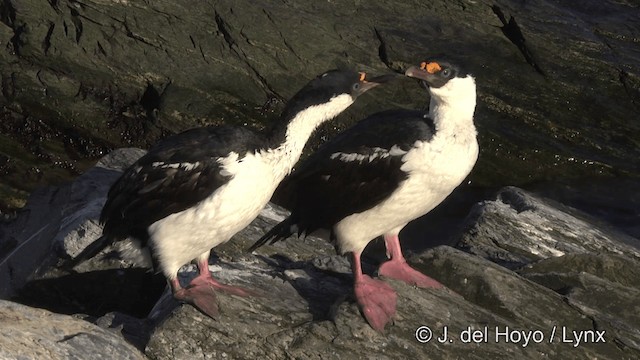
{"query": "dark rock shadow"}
pixel 321 287
pixel 131 291
pixel 136 331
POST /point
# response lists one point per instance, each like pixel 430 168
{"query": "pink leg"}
pixel 204 278
pixel 201 290
pixel 397 268
pixel 376 298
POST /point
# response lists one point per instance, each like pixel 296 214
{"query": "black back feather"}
pixel 153 188
pixel 325 189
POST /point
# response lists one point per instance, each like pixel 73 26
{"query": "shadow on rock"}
pixel 133 291
pixel 322 283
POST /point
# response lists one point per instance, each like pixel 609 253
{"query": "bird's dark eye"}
pixel 446 72
pixel 356 86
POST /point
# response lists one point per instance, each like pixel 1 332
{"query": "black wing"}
pixel 174 175
pixel 356 170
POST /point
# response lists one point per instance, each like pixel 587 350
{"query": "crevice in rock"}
pixel 75 18
pixel 150 101
pixel 577 307
pixel 46 43
pixel 9 86
pixel 101 49
pixel 16 41
pixel 54 5
pixel 284 40
pixel 264 82
pixel 139 38
pixel 224 30
pixel 512 31
pixel 202 53
pixel 382 49
pixel 69 337
pixel 631 87
pixel 7 13
pixel 290 48
pixel 40 79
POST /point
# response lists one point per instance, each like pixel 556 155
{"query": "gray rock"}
pixel 518 228
pixel 79 78
pixel 58 221
pixel 309 313
pixel 565 272
pixel 604 287
pixel 550 298
pixel 29 333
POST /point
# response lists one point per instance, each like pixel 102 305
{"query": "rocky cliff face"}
pixel 530 276
pixel 558 82
pixel 527 277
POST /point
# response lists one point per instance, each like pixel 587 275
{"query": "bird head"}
pixel 445 81
pixel 333 91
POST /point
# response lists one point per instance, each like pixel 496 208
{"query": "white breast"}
pixel 435 169
pixel 181 237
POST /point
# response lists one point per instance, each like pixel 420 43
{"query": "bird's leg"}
pixel 376 298
pixel 204 279
pixel 397 268
pixel 202 297
pixel 201 291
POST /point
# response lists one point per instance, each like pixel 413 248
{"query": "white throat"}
pixel 300 129
pixel 452 106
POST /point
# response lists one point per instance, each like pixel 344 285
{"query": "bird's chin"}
pixel 424 85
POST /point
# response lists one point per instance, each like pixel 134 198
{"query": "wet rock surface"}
pixel 558 82
pixel 528 277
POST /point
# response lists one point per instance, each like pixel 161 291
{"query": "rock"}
pixel 519 228
pixel 307 313
pixel 63 219
pixel 534 275
pixel 595 267
pixel 79 79
pixel 486 296
pixel 604 287
pixel 29 333
pixel 292 318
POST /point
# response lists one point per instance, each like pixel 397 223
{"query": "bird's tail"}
pixel 279 232
pixel 88 252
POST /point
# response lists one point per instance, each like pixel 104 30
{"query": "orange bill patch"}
pixel 432 67
pixel 363 76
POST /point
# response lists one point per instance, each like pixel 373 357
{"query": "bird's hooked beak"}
pixel 367 83
pixel 425 72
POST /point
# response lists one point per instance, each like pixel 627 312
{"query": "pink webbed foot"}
pixel 400 270
pixel 201 291
pixel 209 282
pixel 202 297
pixel 397 268
pixel 377 300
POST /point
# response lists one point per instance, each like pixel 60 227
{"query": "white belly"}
pixel 435 170
pixel 184 236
